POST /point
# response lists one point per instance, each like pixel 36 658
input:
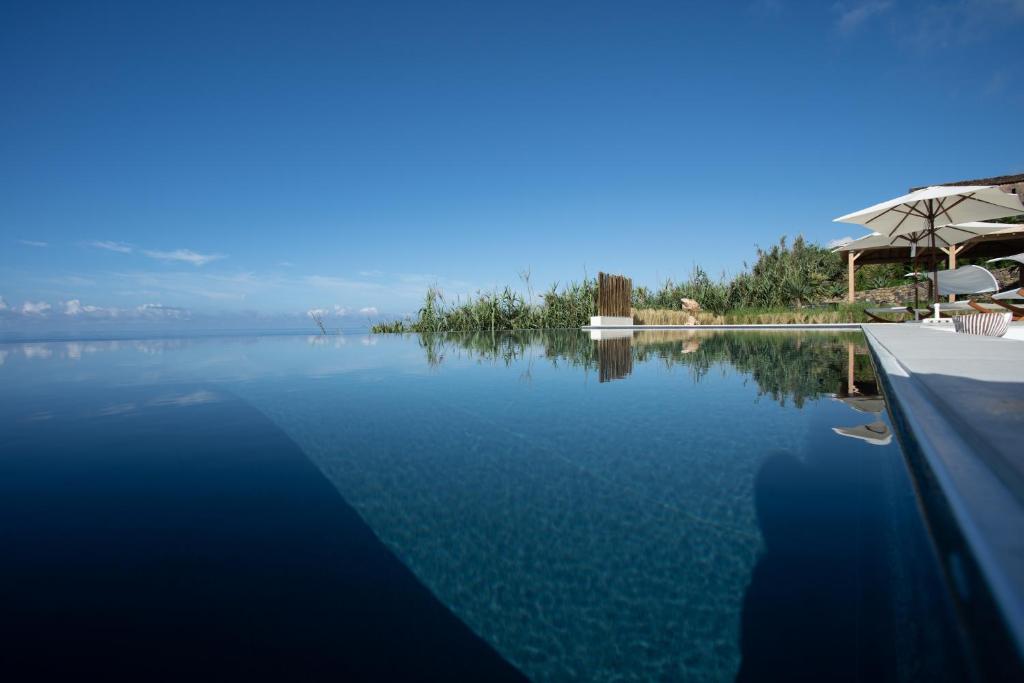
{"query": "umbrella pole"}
pixel 935 273
pixel 917 283
pixel 935 265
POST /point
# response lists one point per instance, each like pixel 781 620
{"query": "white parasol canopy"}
pixel 945 236
pixel 934 207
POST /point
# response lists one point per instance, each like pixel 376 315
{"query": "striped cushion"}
pixel 988 324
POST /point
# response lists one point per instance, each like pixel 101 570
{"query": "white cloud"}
pixel 337 311
pixel 118 409
pixel 119 247
pixel 369 310
pixel 286 264
pixel 74 307
pixel 853 17
pixel 35 308
pixel 839 242
pixel 34 243
pixel 186 255
pixel 195 398
pixel 929 26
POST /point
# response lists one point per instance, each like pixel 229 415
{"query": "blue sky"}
pixel 173 161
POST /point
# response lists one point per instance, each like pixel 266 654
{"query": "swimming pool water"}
pixel 660 506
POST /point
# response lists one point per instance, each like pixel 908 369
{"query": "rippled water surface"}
pixel 657 506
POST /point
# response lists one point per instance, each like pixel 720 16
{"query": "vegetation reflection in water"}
pixel 794 366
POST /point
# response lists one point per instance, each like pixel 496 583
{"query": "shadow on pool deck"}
pixel 194 540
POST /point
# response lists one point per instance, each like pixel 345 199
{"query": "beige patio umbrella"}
pixel 921 213
pixel 945 236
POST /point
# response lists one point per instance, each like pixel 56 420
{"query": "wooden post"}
pixel 851 385
pixel 951 253
pixel 851 270
pixel 614 294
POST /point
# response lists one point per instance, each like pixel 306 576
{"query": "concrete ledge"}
pixel 958 406
pixel 780 326
pixel 610 321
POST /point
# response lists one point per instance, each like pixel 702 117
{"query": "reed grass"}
pixel 780 288
pixel 568 307
pixel 753 316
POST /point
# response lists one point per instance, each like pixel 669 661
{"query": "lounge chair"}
pixel 1003 298
pixel 877 313
pixel 964 280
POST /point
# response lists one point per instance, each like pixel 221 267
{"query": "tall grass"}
pixel 840 313
pixel 784 276
pixel 781 287
pixel 568 307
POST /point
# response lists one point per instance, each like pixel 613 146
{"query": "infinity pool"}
pixel 658 506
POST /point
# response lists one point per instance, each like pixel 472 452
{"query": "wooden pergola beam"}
pixel 951 253
pixel 851 271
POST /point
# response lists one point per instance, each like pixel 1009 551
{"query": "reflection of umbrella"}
pixel 864 404
pixel 920 213
pixel 875 433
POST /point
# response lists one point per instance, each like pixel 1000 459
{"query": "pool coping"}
pixel 987 516
pixel 766 326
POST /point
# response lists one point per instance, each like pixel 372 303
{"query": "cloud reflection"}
pixel 36 351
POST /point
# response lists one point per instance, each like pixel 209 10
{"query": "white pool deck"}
pixel 960 399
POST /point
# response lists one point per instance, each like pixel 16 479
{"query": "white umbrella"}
pixel 945 236
pixel 920 213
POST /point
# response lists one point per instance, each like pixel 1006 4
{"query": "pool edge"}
pixel 968 510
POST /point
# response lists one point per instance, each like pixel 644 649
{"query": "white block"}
pixel 611 321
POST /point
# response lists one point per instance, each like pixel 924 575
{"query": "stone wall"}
pixel 902 293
